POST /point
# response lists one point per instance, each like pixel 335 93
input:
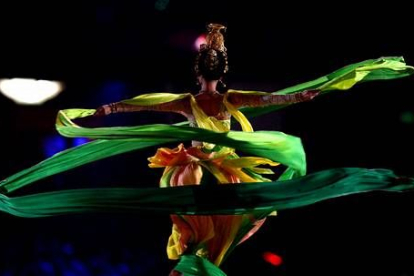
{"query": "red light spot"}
pixel 272 258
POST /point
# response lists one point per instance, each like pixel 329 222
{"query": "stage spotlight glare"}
pixel 30 91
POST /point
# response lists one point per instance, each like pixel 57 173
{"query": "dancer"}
pixel 211 237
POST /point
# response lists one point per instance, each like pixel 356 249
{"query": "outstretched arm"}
pixel 181 106
pixel 251 100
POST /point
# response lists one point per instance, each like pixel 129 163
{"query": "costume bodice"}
pixel 202 120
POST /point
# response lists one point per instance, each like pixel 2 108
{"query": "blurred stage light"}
pixel 161 5
pixel 53 144
pixel 200 40
pixel 79 141
pixel 272 258
pixel 407 117
pixel 30 91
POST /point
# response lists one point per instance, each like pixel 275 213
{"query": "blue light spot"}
pixel 53 144
pixel 46 267
pixel 79 141
pixel 79 266
pixel 124 268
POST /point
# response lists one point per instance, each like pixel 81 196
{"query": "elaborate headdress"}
pixel 211 61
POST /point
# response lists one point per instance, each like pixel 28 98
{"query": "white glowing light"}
pixel 30 91
pixel 200 40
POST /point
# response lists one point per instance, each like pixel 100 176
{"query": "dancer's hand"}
pixel 103 110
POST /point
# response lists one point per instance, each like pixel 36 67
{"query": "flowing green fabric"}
pixel 276 146
pixel 385 68
pixel 210 199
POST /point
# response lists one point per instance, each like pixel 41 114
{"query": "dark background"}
pixel 105 51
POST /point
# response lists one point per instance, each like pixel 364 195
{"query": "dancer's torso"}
pixel 213 106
